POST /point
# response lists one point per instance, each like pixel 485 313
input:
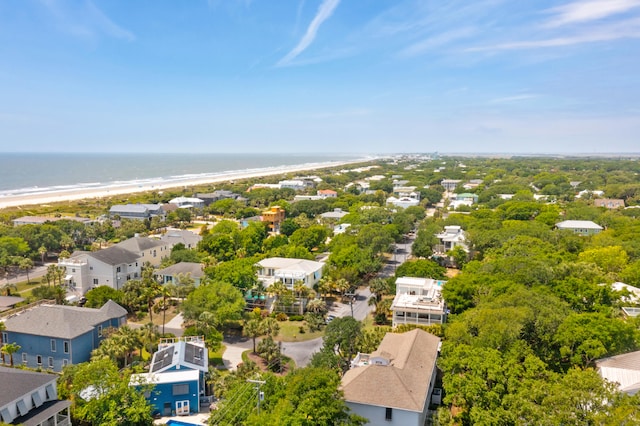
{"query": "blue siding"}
pixel 163 393
pixel 79 348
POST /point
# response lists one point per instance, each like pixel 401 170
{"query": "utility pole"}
pixel 351 296
pixel 258 383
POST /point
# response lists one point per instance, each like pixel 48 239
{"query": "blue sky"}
pixel 362 76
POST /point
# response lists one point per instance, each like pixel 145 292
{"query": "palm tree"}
pixel 380 287
pixel 165 292
pixel 277 289
pixel 10 349
pixel 52 274
pixel 2 328
pixel 342 286
pixel 253 328
pixel 26 264
pixel 148 335
pixel 324 286
pixel 59 294
pixel 301 291
pixel 317 306
pixel 6 288
pixel 42 251
pixel 271 327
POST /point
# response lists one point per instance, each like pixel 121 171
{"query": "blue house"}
pixel 53 336
pixel 177 375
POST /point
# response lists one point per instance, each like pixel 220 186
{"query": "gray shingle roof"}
pixel 115 256
pixel 403 383
pixel 64 322
pixel 195 269
pixel 139 244
pixel 17 383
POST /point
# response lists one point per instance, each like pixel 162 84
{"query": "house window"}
pixel 99 331
pixel 154 253
pixel 128 277
pixel 73 270
pixel 180 389
pixel 39 360
pixel 5 337
pixel 91 268
pixel 118 269
pixel 24 357
pixel 50 362
pixel 95 281
pixel 53 345
pixel 65 344
pixel 388 415
pixel 65 362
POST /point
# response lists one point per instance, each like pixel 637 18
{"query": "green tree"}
pixel 341 336
pixel 101 395
pixel 98 296
pixel 223 300
pixel 10 349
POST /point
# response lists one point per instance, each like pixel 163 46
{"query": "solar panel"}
pixel 162 359
pixel 194 354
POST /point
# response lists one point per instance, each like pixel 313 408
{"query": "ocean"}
pixel 41 173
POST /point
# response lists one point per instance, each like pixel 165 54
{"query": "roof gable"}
pixel 65 322
pixel 412 358
pixel 114 256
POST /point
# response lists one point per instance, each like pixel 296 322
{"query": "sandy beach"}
pixel 133 187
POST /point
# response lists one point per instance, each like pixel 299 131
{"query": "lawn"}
pixel 157 318
pixel 290 332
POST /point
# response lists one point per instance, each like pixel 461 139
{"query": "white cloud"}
pixel 437 41
pixel 515 98
pixel 86 21
pixel 107 25
pixel 585 11
pixel 324 12
pixel 628 29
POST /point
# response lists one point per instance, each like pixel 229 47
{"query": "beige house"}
pixel 393 385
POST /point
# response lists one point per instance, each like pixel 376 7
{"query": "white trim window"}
pixel 53 345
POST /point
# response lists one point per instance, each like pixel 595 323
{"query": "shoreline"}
pixel 110 190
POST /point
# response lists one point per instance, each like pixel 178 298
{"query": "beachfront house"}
pixel 53 336
pixel 418 301
pixel 136 211
pixel 177 376
pixel 393 385
pixel 30 398
pixel 41 220
pixel 188 202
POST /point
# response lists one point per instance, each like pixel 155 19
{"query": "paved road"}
pixel 36 272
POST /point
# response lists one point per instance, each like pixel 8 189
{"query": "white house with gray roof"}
pixel 31 399
pixel 393 385
pixel 113 266
pixel 53 336
pixel 289 271
pixel 136 211
pixel 148 249
pixel 580 227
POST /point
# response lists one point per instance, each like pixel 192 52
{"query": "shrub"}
pixel 296 318
pixel 282 316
